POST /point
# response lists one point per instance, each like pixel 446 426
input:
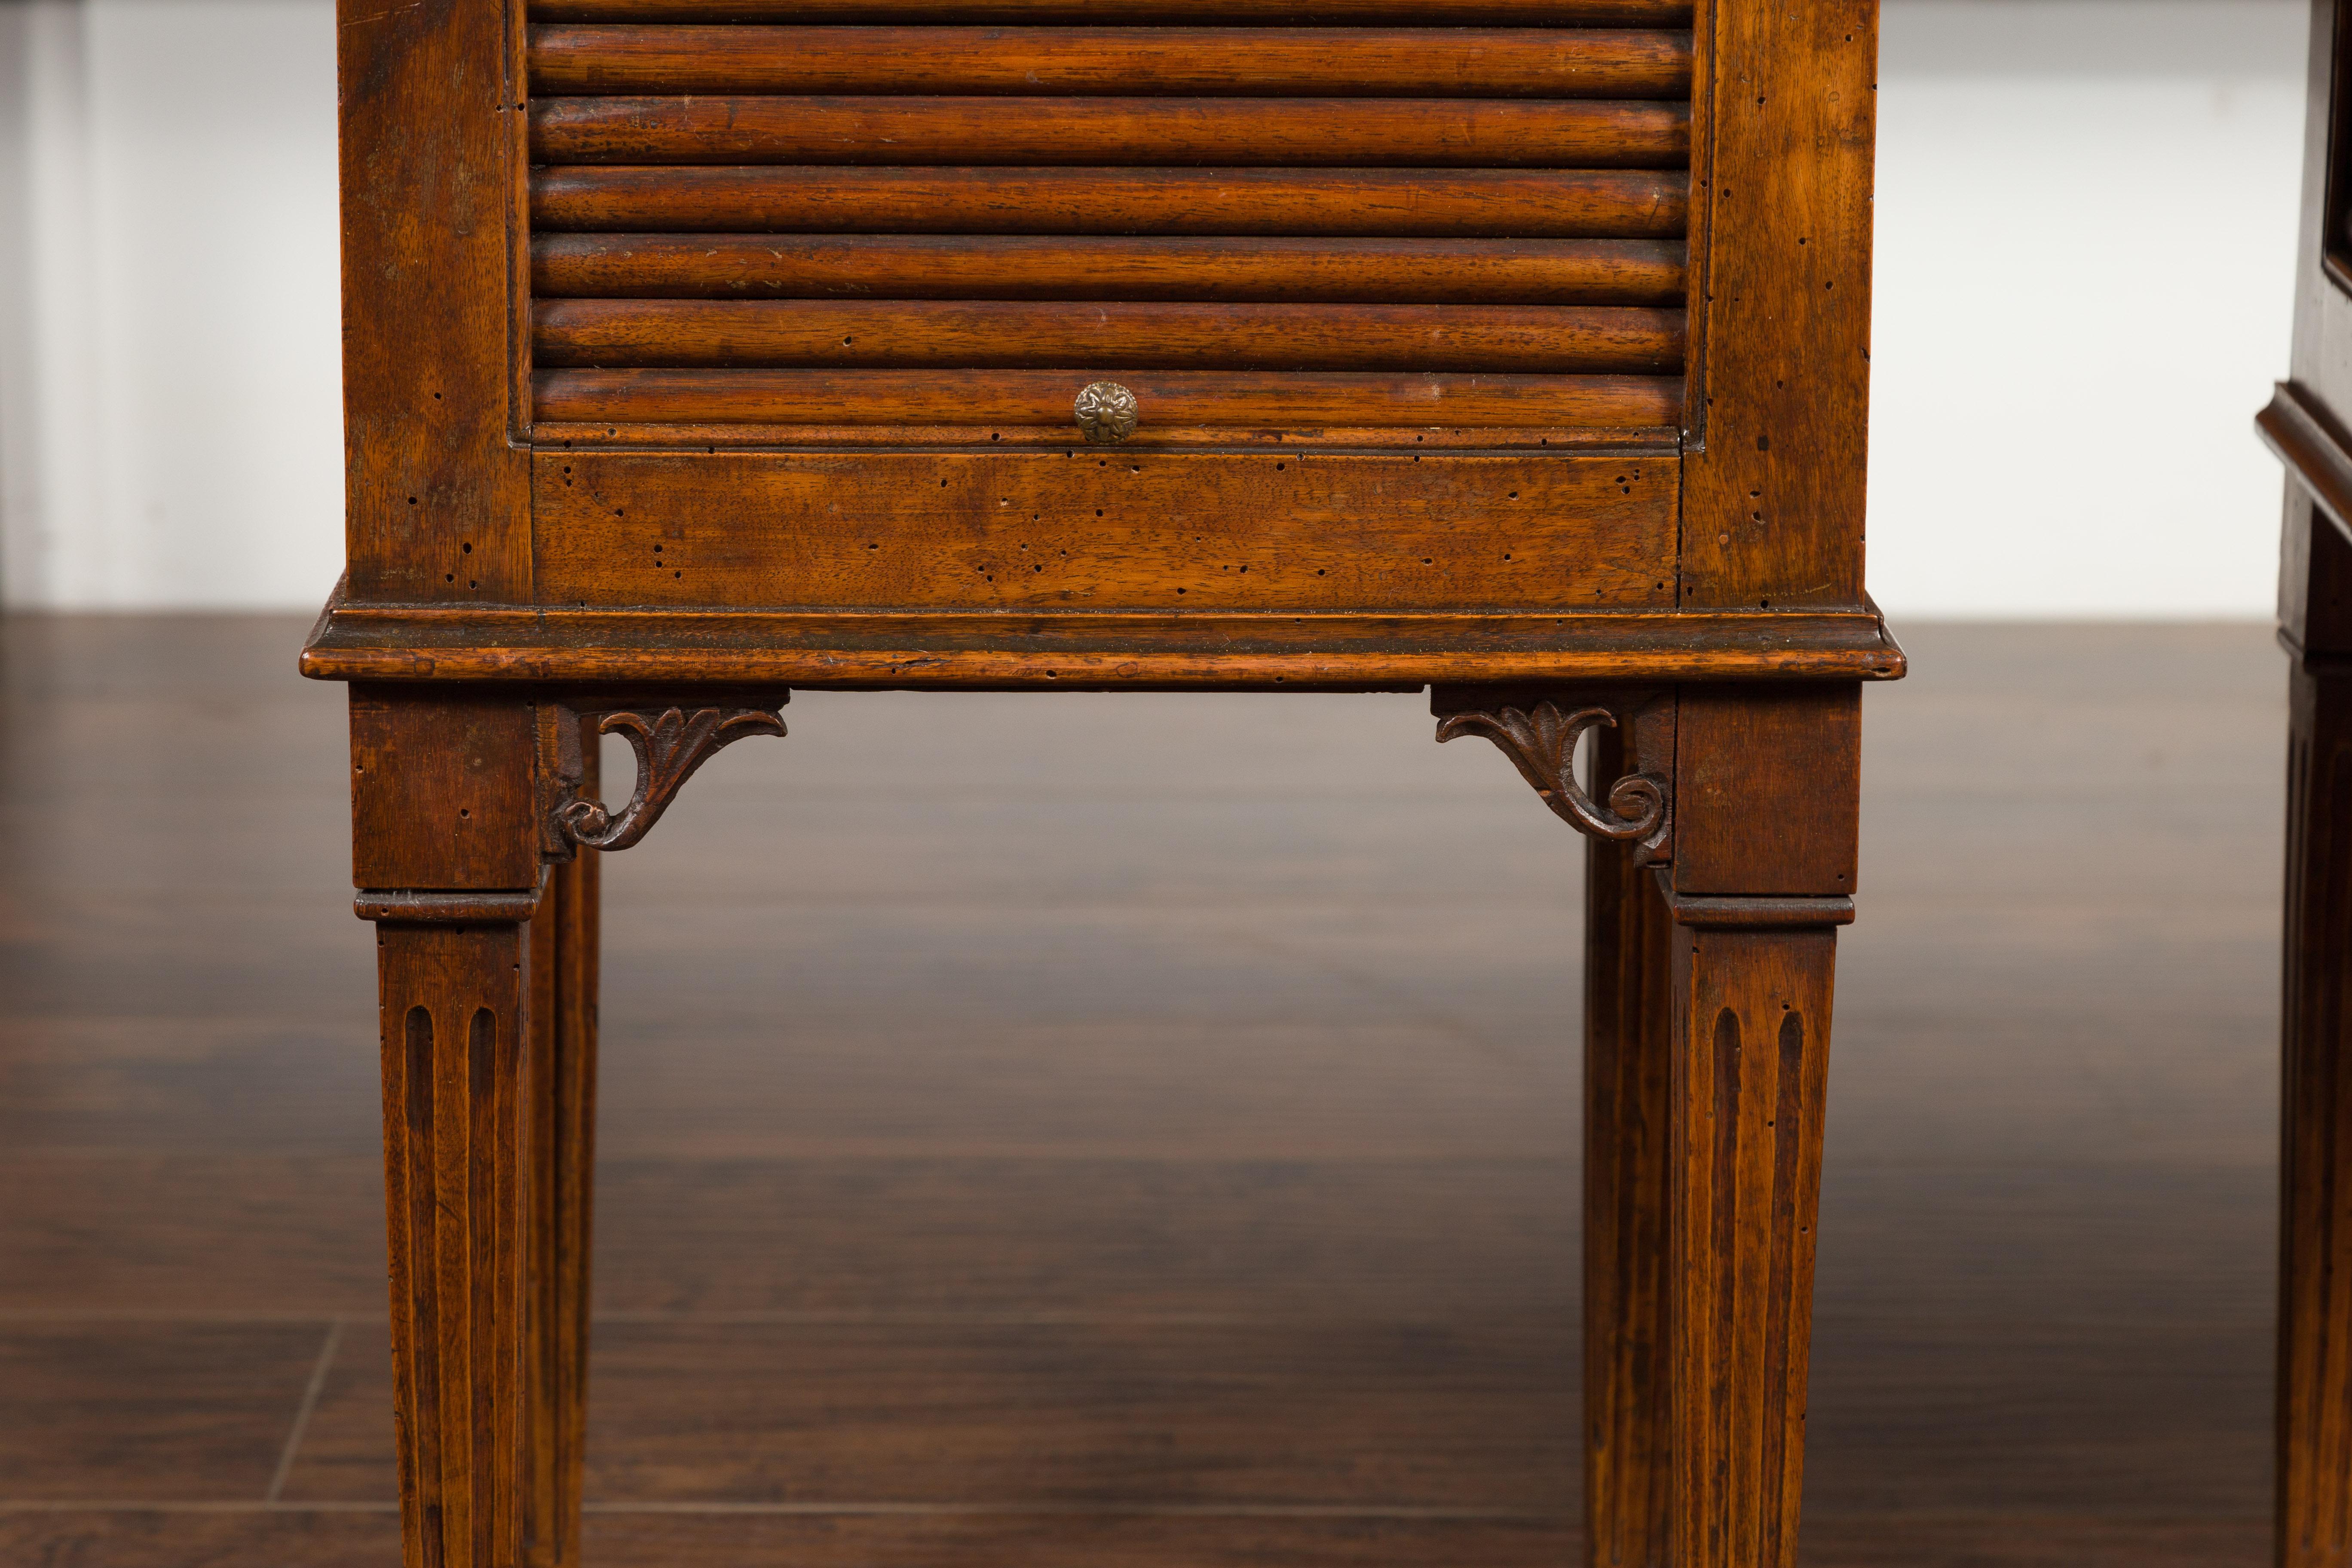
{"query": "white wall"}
pixel 2086 233
pixel 171 423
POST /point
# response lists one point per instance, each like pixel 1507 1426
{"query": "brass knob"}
pixel 1106 411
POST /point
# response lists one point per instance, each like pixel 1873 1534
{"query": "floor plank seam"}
pixel 302 1412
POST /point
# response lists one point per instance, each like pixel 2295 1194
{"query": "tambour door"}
pixel 1392 295
pixel 1508 308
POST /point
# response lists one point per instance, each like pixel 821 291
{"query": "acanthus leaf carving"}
pixel 670 742
pixel 1541 737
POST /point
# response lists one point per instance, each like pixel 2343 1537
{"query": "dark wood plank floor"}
pixel 1140 1131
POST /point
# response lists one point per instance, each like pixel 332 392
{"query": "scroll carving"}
pixel 1540 736
pixel 670 744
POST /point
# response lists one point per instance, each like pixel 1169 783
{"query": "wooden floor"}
pixel 1139 1131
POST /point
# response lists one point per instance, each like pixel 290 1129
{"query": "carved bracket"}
pixel 1538 732
pixel 670 741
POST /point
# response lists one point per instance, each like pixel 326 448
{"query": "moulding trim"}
pixel 2304 434
pixel 458 905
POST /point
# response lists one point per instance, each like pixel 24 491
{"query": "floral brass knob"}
pixel 1106 411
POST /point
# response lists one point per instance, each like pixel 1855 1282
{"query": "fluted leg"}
pixel 455 1071
pixel 446 853
pixel 1751 1058
pixel 1768 791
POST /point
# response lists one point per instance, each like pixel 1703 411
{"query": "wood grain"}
pixel 1129 1541
pixel 2043 1326
pixel 627 1539
pixel 441 790
pixel 1781 268
pixel 434 495
pixel 1357 62
pixel 1752 1025
pixel 181 1412
pixel 997 334
pixel 561 1108
pixel 1284 131
pixel 674 435
pixel 1179 399
pixel 1423 13
pixel 1135 530
pixel 1629 1055
pixel 2314 1372
pixel 457 1196
pixel 1050 652
pixel 1009 266
pixel 936 1238
pixel 1769 790
pixel 1061 1418
pixel 1463 203
pixel 878 567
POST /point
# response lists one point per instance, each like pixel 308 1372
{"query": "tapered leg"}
pixel 563 1124
pixel 1768 795
pixel 2314 1341
pixel 446 853
pixel 1628 1055
pixel 455 1063
pixel 1751 1055
pixel 1707 1051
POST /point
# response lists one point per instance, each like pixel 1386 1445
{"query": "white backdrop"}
pixel 2086 233
pixel 171 429
pixel 2087 241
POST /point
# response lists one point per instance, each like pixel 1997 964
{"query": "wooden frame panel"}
pixel 436 492
pixel 1783 132
pixel 1106 529
pixel 2322 361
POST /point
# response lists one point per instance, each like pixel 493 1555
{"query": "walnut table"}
pixel 700 349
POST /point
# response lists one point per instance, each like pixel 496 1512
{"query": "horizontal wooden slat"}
pixel 1130 530
pixel 1469 203
pixel 1019 333
pixel 1245 13
pixel 1043 397
pixel 1439 133
pixel 1357 62
pixel 657 434
pixel 1008 267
